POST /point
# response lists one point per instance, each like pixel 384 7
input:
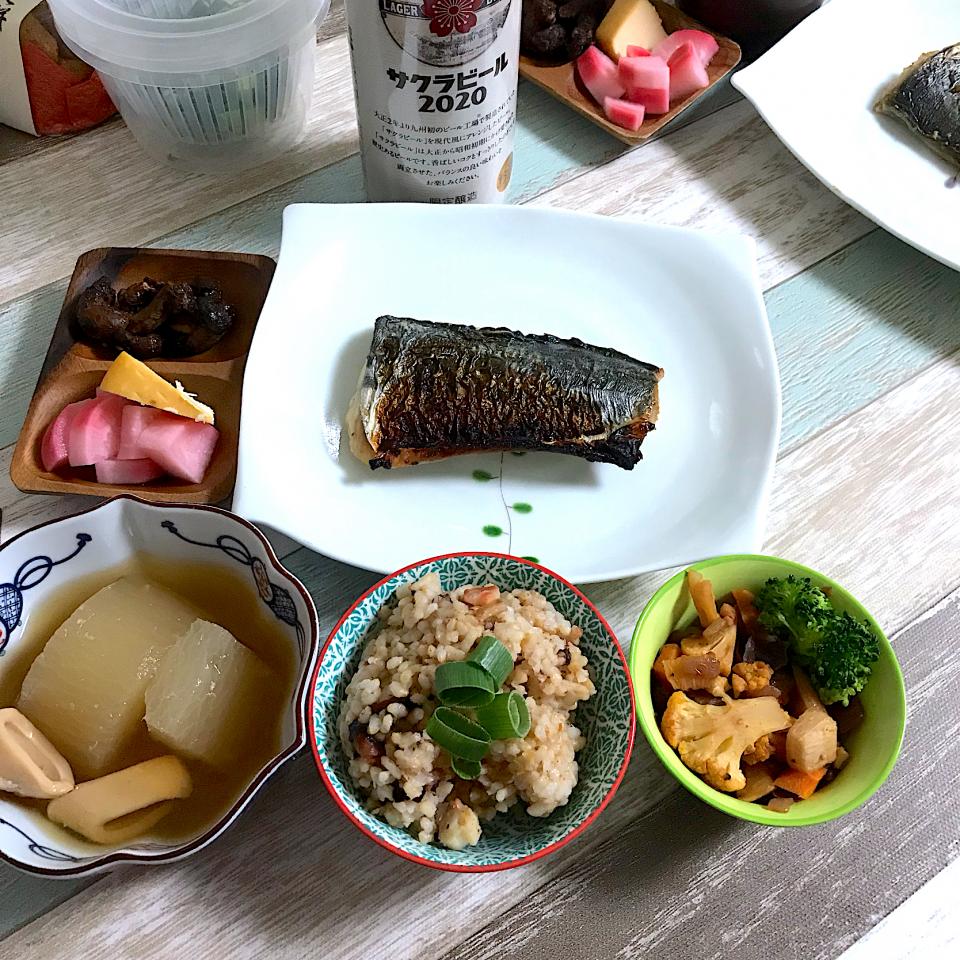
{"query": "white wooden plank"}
pixel 294 878
pixel 925 926
pixel 727 172
pixel 117 196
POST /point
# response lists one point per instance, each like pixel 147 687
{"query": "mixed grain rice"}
pixel 404 776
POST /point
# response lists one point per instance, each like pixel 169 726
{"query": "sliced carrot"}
pixel 800 783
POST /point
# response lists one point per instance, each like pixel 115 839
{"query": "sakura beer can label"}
pixel 436 92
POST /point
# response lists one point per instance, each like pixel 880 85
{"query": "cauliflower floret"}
pixel 459 827
pixel 718 639
pixel 760 751
pixel 711 740
pixel 751 678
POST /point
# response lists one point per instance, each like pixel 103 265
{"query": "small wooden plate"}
pixel 73 370
pixel 562 81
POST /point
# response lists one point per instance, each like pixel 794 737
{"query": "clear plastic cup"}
pixel 207 84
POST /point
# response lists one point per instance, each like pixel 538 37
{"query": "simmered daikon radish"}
pixel 123 805
pixel 85 689
pixel 200 704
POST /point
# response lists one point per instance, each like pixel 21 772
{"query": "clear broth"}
pixel 220 596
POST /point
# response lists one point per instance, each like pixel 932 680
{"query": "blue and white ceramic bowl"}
pixel 40 561
pixel 607 719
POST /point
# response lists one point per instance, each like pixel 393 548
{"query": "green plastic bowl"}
pixel 873 747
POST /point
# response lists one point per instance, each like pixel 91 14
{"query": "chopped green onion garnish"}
pixel 506 717
pixel 466 769
pixel 494 657
pixel 457 735
pixel 463 684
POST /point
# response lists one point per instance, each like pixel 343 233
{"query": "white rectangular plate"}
pixel 685 300
pixel 816 89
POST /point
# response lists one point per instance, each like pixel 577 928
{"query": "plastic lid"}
pixel 131 38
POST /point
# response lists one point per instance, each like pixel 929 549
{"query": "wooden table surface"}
pixel 866 490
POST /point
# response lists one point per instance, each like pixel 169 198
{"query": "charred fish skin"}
pixel 431 390
pixel 926 97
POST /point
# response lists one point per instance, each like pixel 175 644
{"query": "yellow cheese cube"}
pixel 128 377
pixel 208 691
pixel 85 689
pixel 630 22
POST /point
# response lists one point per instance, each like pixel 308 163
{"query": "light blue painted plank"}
pixel 855 326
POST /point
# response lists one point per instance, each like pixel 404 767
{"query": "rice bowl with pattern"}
pixel 376 692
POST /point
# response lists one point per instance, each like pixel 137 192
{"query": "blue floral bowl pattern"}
pixel 607 719
pixel 42 560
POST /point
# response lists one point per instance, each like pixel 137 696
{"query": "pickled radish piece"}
pixel 198 705
pixel 128 471
pixel 133 422
pixel 634 51
pixel 94 433
pixel 687 73
pixel 704 44
pixel 623 113
pixel 182 447
pixel 85 689
pixel 647 81
pixel 29 763
pixel 124 805
pixel 53 448
pixel 599 74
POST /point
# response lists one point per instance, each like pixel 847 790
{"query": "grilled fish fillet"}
pixel 926 97
pixel 435 390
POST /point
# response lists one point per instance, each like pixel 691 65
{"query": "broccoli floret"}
pixel 794 609
pixel 844 658
pixel 836 650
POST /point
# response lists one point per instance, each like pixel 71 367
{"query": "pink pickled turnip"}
pixel 687 73
pixel 127 471
pixel 634 51
pixel 703 43
pixel 623 113
pixel 182 447
pixel 134 421
pixel 94 433
pixel 599 74
pixel 647 81
pixel 54 446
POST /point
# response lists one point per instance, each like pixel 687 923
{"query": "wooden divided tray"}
pixel 73 370
pixel 562 81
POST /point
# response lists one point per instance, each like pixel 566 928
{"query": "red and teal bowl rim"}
pixel 700 789
pixel 467 867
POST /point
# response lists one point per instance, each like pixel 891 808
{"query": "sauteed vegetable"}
pixel 756 694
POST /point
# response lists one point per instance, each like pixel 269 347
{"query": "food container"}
pixel 207 84
pixel 73 368
pixel 873 747
pixel 44 88
pixel 38 565
pixel 436 91
pixel 606 720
